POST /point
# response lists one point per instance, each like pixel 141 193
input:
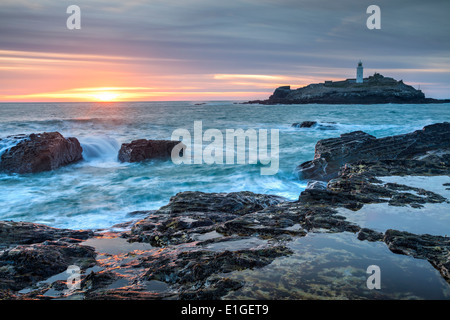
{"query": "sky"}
pixel 193 50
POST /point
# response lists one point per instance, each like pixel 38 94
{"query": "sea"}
pixel 100 191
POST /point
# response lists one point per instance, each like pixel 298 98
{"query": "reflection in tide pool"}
pixel 432 218
pixel 333 266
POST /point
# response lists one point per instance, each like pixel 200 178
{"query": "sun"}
pixel 106 96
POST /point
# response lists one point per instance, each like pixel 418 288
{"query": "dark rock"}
pixel 375 89
pixel 315 124
pixel 332 154
pixel 24 265
pixel 196 212
pixel 318 185
pixel 435 249
pixel 27 233
pixel 281 92
pixel 140 150
pixel 41 152
pixel 304 124
pixel 234 202
pixel 192 271
pixel 370 235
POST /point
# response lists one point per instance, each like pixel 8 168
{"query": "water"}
pixel 334 266
pixel 100 191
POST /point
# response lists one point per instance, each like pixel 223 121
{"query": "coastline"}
pixel 189 248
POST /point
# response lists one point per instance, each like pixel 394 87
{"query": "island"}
pixel 376 89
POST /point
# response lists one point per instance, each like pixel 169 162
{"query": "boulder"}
pixel 304 124
pixel 142 149
pixel 41 152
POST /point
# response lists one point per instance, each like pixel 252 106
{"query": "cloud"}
pixel 292 38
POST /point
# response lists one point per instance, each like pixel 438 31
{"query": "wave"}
pixel 102 149
pixel 9 142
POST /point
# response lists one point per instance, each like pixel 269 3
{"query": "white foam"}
pixel 100 150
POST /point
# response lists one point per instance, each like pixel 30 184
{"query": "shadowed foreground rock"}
pixel 41 152
pixel 140 150
pixel 24 265
pixel 13 233
pixel 435 249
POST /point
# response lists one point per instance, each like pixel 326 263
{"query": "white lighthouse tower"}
pixel 359 73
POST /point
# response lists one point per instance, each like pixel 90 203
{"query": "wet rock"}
pixel 41 152
pixel 278 221
pixel 193 272
pixel 126 294
pixel 24 265
pixel 216 289
pixel 435 249
pixel 27 233
pixel 331 154
pixel 140 150
pixel 315 125
pixel 190 213
pixel 304 124
pixel 317 185
pixel 370 235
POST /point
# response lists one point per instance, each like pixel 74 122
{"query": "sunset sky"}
pixel 214 50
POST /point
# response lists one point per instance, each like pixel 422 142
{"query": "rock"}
pixel 281 92
pixel 13 233
pixel 304 124
pixel 435 249
pixel 315 125
pixel 331 154
pixel 375 89
pixel 191 213
pixel 234 202
pixel 24 265
pixel 200 274
pixel 318 185
pixel 140 150
pixel 41 152
pixel 370 235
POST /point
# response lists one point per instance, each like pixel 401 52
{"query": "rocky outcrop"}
pixel 192 213
pixel 315 125
pixel 435 249
pixel 202 245
pixel 41 152
pixel 14 233
pixel 331 154
pixel 375 89
pixel 142 149
pixel 304 124
pixel 24 265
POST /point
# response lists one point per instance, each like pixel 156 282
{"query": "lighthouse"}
pixel 359 73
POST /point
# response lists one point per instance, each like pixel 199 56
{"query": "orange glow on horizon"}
pixel 65 77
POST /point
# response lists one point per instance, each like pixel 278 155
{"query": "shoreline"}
pixel 198 239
